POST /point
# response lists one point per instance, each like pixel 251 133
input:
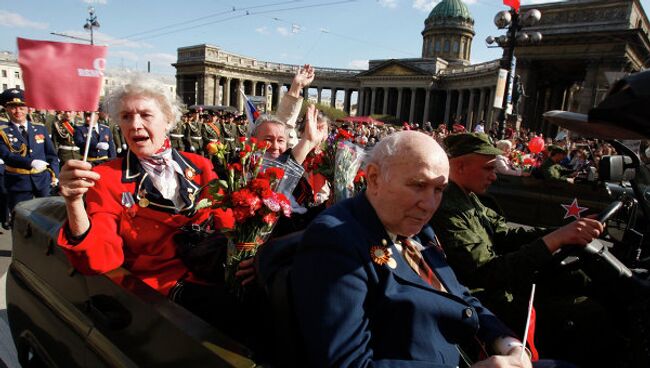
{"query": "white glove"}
pixel 39 165
pixel 192 149
pixel 124 146
pixel 1 162
pixel 54 183
pixel 102 146
pixel 119 149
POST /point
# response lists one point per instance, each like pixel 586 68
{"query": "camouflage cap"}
pixel 466 143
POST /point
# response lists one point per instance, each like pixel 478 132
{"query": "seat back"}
pixel 273 263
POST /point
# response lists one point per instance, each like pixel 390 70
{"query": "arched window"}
pixel 455 49
pixel 446 46
pixel 437 46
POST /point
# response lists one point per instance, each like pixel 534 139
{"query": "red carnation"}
pixel 247 199
pixel 224 219
pixel 270 218
pixel 261 186
pixel 235 166
pixel 274 172
pixel 361 175
pixel 242 139
pixel 252 140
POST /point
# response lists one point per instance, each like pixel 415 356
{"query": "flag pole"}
pixel 530 310
pixel 89 136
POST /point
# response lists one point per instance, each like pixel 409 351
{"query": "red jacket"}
pixel 139 238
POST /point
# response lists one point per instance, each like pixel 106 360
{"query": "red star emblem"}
pixel 573 210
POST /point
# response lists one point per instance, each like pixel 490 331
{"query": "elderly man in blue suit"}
pixel 370 282
pixel 31 163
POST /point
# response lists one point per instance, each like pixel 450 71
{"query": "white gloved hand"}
pixel 124 146
pixel 54 183
pixel 119 150
pixel 102 146
pixel 39 165
pixel 192 149
pixel 1 162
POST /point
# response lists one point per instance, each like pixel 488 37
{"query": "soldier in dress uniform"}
pixel 229 131
pixel 63 130
pixel 193 134
pixel 31 164
pixel 4 210
pixel 102 146
pixel 211 131
pixel 118 138
pixel 177 135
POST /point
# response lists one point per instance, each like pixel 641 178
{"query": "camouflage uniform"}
pixel 553 171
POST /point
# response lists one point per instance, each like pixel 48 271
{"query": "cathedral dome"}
pixel 451 9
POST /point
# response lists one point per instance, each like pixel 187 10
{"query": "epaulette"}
pixel 38 124
pixel 3 126
pixel 104 125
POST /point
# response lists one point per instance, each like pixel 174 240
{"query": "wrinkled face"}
pixel 143 124
pixel 275 135
pixel 478 172
pixel 409 195
pixel 17 114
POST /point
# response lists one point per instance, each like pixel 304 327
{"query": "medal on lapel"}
pixel 189 173
pixel 143 201
pixel 382 255
pixel 129 203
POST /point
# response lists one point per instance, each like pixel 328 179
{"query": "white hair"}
pixel 398 144
pixel 504 145
pixel 143 85
pixel 267 118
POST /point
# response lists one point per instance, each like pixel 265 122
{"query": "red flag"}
pixel 60 75
pixel 512 3
pixel 530 338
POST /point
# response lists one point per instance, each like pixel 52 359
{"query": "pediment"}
pixel 393 68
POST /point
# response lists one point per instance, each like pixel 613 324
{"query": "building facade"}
pixel 10 73
pixel 587 45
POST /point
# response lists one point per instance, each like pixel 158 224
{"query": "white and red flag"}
pixel 512 3
pixel 60 75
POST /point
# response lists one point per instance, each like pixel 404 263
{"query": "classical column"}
pixel 253 88
pixel 238 93
pixel 226 91
pixel 412 109
pixel 384 108
pixel 360 104
pixel 425 116
pixel 373 98
pixel 319 91
pixel 470 110
pixel 347 95
pixel 200 90
pixel 490 111
pixel 398 112
pixel 448 106
pixel 333 97
pixel 459 106
pixel 481 105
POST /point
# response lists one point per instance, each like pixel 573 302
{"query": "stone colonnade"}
pixel 417 104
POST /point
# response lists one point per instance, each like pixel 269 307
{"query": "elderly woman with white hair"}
pixel 503 165
pixel 127 212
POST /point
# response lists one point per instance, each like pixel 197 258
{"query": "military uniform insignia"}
pixel 39 138
pixel 143 202
pixel 573 209
pixel 382 255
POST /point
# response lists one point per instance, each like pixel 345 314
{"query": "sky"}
pixel 326 33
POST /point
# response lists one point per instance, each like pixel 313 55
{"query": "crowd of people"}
pixel 372 281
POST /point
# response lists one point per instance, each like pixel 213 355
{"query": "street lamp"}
pixel 91 23
pixel 514 23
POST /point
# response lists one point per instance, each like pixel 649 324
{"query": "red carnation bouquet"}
pixel 248 198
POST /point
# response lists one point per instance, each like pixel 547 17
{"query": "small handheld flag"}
pixel 251 112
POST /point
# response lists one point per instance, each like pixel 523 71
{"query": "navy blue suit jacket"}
pixel 353 312
pixel 39 147
pixel 104 135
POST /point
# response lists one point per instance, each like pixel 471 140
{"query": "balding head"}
pixel 407 172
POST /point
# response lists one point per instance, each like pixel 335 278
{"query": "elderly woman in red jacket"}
pixel 135 206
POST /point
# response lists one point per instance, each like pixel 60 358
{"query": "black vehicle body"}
pixel 59 317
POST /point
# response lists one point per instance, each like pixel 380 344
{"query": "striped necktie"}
pixel 416 261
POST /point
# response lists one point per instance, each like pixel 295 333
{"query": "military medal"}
pixel 381 255
pixel 189 173
pixel 143 202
